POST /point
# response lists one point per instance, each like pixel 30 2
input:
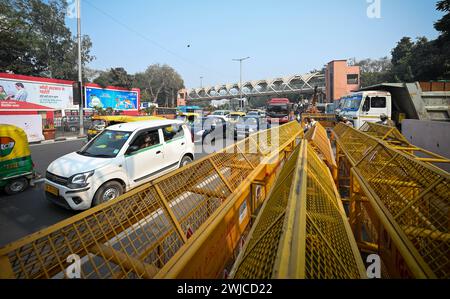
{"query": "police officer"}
pixel 385 121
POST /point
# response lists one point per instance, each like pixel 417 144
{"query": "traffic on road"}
pixel 64 178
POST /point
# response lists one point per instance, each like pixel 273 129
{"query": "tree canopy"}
pixel 35 41
pixel 115 77
pixel 159 84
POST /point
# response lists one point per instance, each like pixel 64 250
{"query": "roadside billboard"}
pixel 31 124
pixel 56 94
pixel 111 97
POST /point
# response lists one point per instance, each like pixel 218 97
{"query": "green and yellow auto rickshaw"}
pixel 16 166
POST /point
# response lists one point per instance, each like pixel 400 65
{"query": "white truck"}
pixel 398 101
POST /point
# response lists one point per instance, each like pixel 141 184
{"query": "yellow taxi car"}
pixel 100 122
pixel 234 117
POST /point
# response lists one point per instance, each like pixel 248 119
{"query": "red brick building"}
pixel 341 79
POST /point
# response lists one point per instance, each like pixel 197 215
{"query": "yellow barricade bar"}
pixel 400 203
pixel 302 230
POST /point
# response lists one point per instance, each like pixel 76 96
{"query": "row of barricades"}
pixel 396 140
pixel 302 230
pixel 399 205
pixel 190 223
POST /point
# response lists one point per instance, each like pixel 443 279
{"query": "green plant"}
pixel 49 125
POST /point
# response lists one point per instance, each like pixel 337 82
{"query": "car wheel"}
pixel 107 192
pixel 16 186
pixel 185 161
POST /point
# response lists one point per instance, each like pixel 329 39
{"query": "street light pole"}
pixel 240 79
pixel 80 74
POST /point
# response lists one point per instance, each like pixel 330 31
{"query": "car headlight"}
pixel 80 180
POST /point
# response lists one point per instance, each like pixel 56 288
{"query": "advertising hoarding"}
pixel 111 97
pixel 56 94
pixel 31 124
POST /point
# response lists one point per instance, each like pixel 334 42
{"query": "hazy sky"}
pixel 282 37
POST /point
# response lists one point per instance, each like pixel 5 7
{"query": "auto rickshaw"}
pixel 16 166
pixel 100 122
pixel 188 117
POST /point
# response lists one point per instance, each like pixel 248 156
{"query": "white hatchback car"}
pixel 121 158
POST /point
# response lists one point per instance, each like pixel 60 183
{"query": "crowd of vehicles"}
pixel 125 151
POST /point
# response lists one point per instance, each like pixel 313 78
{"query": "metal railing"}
pixel 138 234
pixel 326 120
pixel 318 138
pixel 394 138
pixel 302 230
pixel 399 206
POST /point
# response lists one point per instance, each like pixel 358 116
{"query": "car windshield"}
pixel 106 145
pixel 235 117
pixel 218 113
pixel 278 109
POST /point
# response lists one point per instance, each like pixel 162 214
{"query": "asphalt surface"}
pixel 29 211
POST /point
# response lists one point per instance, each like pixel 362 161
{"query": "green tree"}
pixel 159 84
pixel 401 60
pixel 375 71
pixel 34 39
pixel 443 42
pixel 117 77
pixel 443 25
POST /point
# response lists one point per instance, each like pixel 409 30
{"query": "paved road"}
pixel 28 212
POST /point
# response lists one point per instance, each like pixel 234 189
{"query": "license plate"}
pixel 52 190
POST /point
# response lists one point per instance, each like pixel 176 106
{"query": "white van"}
pixel 366 106
pixel 121 158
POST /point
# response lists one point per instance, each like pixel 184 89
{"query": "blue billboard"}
pixel 112 98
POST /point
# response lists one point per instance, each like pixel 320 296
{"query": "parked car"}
pixel 234 117
pixel 249 125
pixel 120 158
pixel 212 128
pixel 256 112
pixel 220 113
pixel 72 123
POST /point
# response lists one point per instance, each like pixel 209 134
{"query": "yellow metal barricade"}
pixel 394 138
pixel 136 235
pixel 318 138
pixel 326 120
pixel 302 230
pixel 399 206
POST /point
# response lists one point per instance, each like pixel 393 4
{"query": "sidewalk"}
pixel 58 139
